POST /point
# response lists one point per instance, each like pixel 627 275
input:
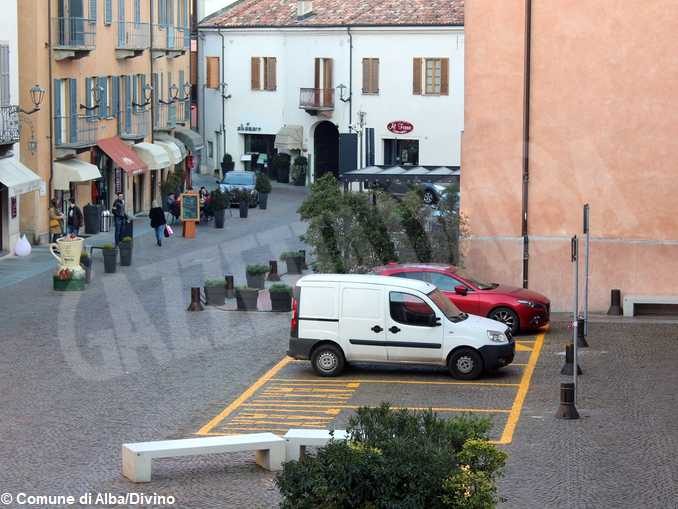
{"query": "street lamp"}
pixel 147 91
pixel 96 92
pixel 37 95
pixel 224 87
pixel 174 92
pixel 187 91
pixel 342 88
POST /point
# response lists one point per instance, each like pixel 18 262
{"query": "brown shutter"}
pixel 444 76
pixel 256 80
pixel 375 75
pixel 327 82
pixel 316 83
pixel 213 72
pixel 416 76
pixel 271 82
pixel 366 76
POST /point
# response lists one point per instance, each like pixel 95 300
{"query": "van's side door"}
pixel 412 331
pixel 362 322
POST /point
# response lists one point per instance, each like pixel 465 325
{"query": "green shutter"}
pixel 92 11
pixel 108 12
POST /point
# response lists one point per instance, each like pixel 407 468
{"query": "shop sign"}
pixel 118 181
pixel 400 127
pixel 247 128
pixel 13 206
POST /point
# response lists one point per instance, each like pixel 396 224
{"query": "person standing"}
pixel 189 170
pixel 55 221
pixel 74 221
pixel 158 222
pixel 119 216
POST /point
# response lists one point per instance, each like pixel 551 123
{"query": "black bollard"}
pixel 230 286
pixel 303 259
pixel 196 305
pixel 568 367
pixel 615 303
pixel 273 272
pixel 581 338
pixel 567 410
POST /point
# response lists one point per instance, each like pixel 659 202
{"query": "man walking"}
pixel 119 217
pixel 74 221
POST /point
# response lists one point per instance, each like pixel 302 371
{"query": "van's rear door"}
pixel 362 322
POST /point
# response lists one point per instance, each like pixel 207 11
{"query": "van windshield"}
pixel 452 312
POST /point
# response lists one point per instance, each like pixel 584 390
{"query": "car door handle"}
pixel 394 330
pixel 377 329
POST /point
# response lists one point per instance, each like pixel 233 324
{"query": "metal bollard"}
pixel 568 367
pixel 615 303
pixel 303 261
pixel 567 410
pixel 581 338
pixel 273 272
pixel 196 305
pixel 230 286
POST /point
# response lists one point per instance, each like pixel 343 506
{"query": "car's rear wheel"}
pixel 429 198
pixel 328 360
pixel 465 364
pixel 506 316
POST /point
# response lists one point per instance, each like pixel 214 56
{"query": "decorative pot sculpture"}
pixel 70 249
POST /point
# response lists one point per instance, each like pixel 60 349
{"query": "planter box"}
pixel 110 261
pixel 215 295
pixel 70 285
pixel 125 249
pixel 219 218
pixel 281 302
pixel 263 201
pixel 247 299
pixel 244 209
pixel 256 280
pixel 295 265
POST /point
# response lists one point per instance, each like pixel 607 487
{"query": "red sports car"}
pixel 518 308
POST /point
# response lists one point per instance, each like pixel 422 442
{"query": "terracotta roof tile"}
pixel 283 13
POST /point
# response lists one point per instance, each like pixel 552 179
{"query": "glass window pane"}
pixel 410 310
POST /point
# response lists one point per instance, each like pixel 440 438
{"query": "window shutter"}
pixel 137 11
pixel 135 91
pixel 374 76
pixel 416 76
pixel 256 80
pixel 57 112
pixel 213 72
pixel 108 12
pixel 270 78
pixel 327 74
pixel 92 11
pixel 73 102
pixel 187 26
pixel 115 99
pixel 366 76
pixel 128 102
pixel 101 83
pixel 4 75
pixel 444 76
pixel 317 73
pixel 88 97
pixel 155 98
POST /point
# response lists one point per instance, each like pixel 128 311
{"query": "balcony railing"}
pixel 168 37
pixel 165 116
pixel 74 33
pixel 183 112
pixel 320 99
pixel 10 132
pixel 133 36
pixel 133 124
pixel 74 132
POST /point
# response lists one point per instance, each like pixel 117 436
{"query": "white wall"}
pixel 437 120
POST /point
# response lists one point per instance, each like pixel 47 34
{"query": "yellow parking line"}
pixel 324 410
pixel 300 424
pixel 288 389
pixel 355 407
pixel 268 395
pixel 254 415
pixel 412 382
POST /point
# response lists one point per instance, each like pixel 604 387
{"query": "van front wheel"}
pixel 465 364
pixel 327 360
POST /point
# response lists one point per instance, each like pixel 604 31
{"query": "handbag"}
pixel 168 231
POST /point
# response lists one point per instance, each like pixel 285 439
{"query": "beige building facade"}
pixel 602 77
pixel 117 102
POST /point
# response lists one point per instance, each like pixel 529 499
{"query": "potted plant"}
pixel 218 203
pixel 294 261
pixel 227 163
pixel 263 187
pixel 65 280
pixel 281 166
pixel 242 197
pixel 256 276
pixel 110 258
pixel 246 298
pixel 86 263
pixel 215 292
pixel 299 170
pixel 125 248
pixel 281 297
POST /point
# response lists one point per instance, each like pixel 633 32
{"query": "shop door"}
pixel 138 192
pixel 4 212
pixel 154 185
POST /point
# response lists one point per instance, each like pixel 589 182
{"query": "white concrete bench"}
pixel 136 458
pixel 298 439
pixel 630 301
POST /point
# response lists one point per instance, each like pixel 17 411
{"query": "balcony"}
pixel 169 40
pixel 183 112
pixel 315 100
pixel 73 134
pixel 10 132
pixel 73 37
pixel 133 39
pixel 165 117
pixel 133 125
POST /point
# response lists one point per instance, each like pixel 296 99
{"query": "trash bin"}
pixel 127 229
pixel 106 221
pixel 91 213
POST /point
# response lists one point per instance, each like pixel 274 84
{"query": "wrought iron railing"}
pixel 74 33
pixel 133 124
pixel 10 131
pixel 168 37
pixel 183 113
pixel 316 98
pixel 75 131
pixel 165 116
pixel 131 35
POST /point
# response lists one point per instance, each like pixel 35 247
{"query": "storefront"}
pixel 72 178
pixel 192 142
pixel 401 152
pixel 124 165
pixel 15 180
pixel 156 159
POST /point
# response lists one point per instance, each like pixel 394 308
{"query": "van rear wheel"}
pixel 465 364
pixel 327 360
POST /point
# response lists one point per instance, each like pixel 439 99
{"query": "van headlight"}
pixel 496 336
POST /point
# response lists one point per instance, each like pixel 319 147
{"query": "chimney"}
pixel 304 8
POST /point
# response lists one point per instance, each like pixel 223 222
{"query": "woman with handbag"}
pixel 55 221
pixel 158 222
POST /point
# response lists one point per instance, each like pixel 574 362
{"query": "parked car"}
pixel 431 193
pixel 243 180
pixel 518 308
pixel 339 318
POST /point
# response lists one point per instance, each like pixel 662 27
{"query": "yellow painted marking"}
pixel 244 396
pixel 514 415
pixel 269 395
pixel 254 415
pixel 271 430
pixel 523 348
pixel 300 424
pixel 275 388
pixel 262 406
pixel 325 410
pixel 413 382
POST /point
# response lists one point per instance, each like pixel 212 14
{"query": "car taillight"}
pixel 294 322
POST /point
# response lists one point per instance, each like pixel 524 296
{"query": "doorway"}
pixel 138 193
pixel 326 147
pixel 401 152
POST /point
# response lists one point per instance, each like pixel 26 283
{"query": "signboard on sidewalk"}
pixel 190 207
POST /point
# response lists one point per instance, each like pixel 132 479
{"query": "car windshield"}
pixel 475 282
pixel 445 305
pixel 241 179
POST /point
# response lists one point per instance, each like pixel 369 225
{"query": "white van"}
pixel 339 318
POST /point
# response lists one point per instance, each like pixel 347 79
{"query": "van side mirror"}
pixel 434 321
pixel 460 290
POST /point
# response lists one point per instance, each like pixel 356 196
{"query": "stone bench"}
pixel 630 301
pixel 298 439
pixel 136 458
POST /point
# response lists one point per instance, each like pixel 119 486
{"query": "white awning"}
pixel 290 137
pixel 18 177
pixel 73 170
pixel 172 150
pixel 153 155
pixel 246 157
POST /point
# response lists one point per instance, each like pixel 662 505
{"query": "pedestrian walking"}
pixel 158 222
pixel 74 220
pixel 56 218
pixel 189 170
pixel 119 217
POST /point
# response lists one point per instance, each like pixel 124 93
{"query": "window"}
pixel 213 73
pixel 108 12
pixel 266 67
pixel 210 150
pixel 370 76
pixel 4 75
pixel 397 152
pixel 444 282
pixel 430 76
pixel 420 276
pixel 93 11
pixel 410 309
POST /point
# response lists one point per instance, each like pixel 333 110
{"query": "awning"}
pixel 14 175
pixel 246 157
pixel 73 170
pixel 188 137
pixel 290 137
pixel 123 156
pixel 153 155
pixel 171 139
pixel 172 150
pixel 404 174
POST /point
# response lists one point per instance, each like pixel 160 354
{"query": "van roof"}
pixel 411 284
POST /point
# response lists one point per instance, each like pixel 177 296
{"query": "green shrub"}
pixel 280 165
pixel 126 239
pixel 286 255
pixel 263 184
pixel 228 163
pixel 215 283
pixel 108 247
pixel 245 289
pixel 255 270
pixel 280 288
pixel 299 168
pixel 219 200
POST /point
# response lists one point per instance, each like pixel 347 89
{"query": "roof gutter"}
pixel 331 25
pixel 51 103
pixel 526 140
pixel 221 92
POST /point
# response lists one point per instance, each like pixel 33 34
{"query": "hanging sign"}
pixel 118 181
pixel 400 127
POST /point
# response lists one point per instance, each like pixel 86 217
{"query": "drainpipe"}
pixel 526 139
pixel 350 78
pixel 221 92
pixel 51 104
pixel 153 92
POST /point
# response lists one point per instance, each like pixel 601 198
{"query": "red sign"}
pixel 400 127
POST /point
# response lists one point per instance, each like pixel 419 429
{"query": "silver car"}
pixel 240 180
